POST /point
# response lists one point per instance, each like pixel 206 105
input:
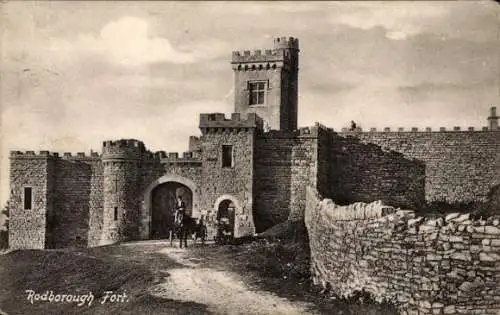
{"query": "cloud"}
pixel 400 20
pixel 128 42
pixel 396 35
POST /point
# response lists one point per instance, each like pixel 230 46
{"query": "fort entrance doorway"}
pixel 225 219
pixel 163 203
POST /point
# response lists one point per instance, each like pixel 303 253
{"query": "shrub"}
pixel 4 230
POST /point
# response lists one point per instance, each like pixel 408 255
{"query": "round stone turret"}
pixel 125 149
pixel 122 160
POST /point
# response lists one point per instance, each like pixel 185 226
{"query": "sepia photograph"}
pixel 249 157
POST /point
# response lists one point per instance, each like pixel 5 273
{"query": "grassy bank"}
pixel 79 272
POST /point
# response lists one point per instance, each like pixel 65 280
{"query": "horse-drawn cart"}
pixel 224 232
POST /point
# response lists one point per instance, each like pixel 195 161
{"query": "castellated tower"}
pixel 122 161
pixel 266 83
pixel 228 147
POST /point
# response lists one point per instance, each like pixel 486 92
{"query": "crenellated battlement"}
pixel 187 157
pixel 123 143
pixel 123 149
pixel 286 43
pixel 173 155
pixel 47 154
pixel 267 57
pixel 258 56
pixel 415 130
pixel 302 132
pixel 219 121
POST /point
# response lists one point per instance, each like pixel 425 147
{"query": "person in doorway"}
pixel 180 209
pixel 182 221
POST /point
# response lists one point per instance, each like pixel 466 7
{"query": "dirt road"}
pixel 163 279
pixel 222 291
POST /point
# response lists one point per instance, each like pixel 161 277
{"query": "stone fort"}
pixel 252 167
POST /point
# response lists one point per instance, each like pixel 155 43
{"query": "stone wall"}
pixel 364 172
pixel 324 160
pixel 447 265
pixel 27 228
pixel 122 174
pixel 235 181
pixel 67 200
pixel 285 163
pixel 78 201
pixel 122 196
pixel 461 166
pixel 191 171
pixel 70 220
pixel 96 201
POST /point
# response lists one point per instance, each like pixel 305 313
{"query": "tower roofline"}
pixel 267 55
pixel 286 43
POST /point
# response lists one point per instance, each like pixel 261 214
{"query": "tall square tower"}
pixel 266 83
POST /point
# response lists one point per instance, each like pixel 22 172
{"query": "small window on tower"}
pixel 116 214
pixel 28 198
pixel 257 92
pixel 227 156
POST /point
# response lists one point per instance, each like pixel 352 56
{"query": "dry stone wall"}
pixel 449 265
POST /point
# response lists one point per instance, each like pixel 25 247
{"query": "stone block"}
pixel 493 257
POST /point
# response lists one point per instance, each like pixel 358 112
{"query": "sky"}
pixel 73 74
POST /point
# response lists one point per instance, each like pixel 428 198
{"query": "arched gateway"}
pixel 227 208
pixel 159 200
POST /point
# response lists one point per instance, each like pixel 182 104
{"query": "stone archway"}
pixel 227 197
pixel 226 216
pixel 228 207
pixel 163 205
pixel 147 206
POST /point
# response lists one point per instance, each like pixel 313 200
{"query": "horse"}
pixel 199 231
pixel 185 226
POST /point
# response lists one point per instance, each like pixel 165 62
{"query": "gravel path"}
pixel 222 291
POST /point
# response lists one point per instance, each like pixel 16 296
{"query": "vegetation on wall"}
pixel 4 230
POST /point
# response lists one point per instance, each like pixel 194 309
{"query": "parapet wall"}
pixel 48 154
pixel 448 265
pixel 218 121
pixel 461 166
pixel 174 157
pixel 413 129
pixel 124 149
pixel 359 171
pixel 260 56
pixel 268 55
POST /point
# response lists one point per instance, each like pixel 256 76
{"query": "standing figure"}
pixel 180 209
pixel 201 230
pixel 181 221
pixel 353 126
